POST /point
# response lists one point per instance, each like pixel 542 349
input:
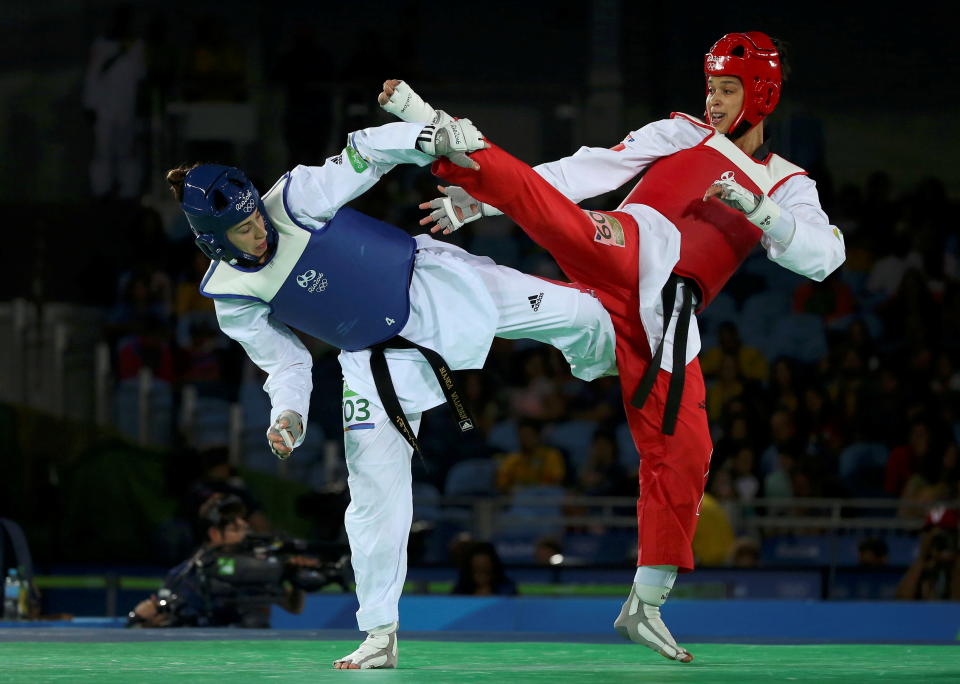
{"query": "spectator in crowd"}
pixel 714 537
pixel 602 474
pixel 935 573
pixel 934 481
pixel 743 470
pixel 115 71
pixel 880 211
pixel 459 546
pixel 784 390
pixel 720 486
pixel 750 362
pixel 892 258
pixel 745 553
pixel 739 430
pixel 783 439
pixel 879 411
pixel 144 294
pixel 909 458
pixel 820 422
pixel 946 377
pixel 536 464
pixel 872 553
pixel 139 325
pixel 539 395
pixel 188 302
pixel 832 300
pixel 911 316
pixel 779 482
pixel 482 574
pixel 723 388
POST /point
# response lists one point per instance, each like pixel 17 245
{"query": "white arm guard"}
pixel 406 105
pixel 760 210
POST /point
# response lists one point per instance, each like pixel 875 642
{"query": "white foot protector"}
pixel 378 651
pixel 641 623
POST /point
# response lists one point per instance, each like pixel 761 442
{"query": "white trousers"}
pixel 378 459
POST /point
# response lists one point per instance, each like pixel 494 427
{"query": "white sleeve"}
pixel 593 171
pixel 275 349
pixel 316 192
pixel 814 248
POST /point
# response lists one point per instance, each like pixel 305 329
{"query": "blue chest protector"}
pixel 351 286
pixel 346 284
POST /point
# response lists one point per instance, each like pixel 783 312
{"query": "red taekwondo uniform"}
pixel 663 249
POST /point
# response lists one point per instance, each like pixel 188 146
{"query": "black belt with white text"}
pixel 388 394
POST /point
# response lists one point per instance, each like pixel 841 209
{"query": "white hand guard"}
pixel 761 211
pixel 455 209
pixel 406 105
pixel 289 425
pixel 452 141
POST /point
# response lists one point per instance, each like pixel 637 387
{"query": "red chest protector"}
pixel 715 239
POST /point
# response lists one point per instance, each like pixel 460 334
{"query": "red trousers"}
pixel 599 250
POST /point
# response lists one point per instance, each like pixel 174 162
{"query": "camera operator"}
pixel 234 577
pixel 935 573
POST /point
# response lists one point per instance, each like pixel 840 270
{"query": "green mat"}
pixel 232 662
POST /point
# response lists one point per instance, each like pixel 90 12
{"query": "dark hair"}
pixel 465 583
pixel 220 510
pixel 873 545
pixel 783 49
pixel 175 178
pixel 534 424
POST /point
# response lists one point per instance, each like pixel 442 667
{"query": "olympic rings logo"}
pixel 319 283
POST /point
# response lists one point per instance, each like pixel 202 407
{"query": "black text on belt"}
pixel 388 394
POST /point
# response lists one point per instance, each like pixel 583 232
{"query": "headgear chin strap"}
pixel 753 58
pixel 216 198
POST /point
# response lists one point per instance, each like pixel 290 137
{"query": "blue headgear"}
pixel 216 197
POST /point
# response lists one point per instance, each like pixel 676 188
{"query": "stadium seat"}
pixel 573 437
pixel 535 511
pixel 426 501
pixel 210 422
pixel 723 308
pixel 613 546
pixel 776 277
pixel 627 452
pixel 504 436
pixel 796 336
pixel 758 311
pixel 472 477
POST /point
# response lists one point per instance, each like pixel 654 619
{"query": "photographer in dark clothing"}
pixel 234 578
pixel 935 573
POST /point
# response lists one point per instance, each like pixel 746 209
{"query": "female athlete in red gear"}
pixel 702 205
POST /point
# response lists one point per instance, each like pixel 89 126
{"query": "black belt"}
pixel 675 389
pixel 388 394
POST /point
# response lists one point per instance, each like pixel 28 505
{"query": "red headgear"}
pixel 753 58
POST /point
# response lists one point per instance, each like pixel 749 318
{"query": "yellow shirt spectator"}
pixel 713 540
